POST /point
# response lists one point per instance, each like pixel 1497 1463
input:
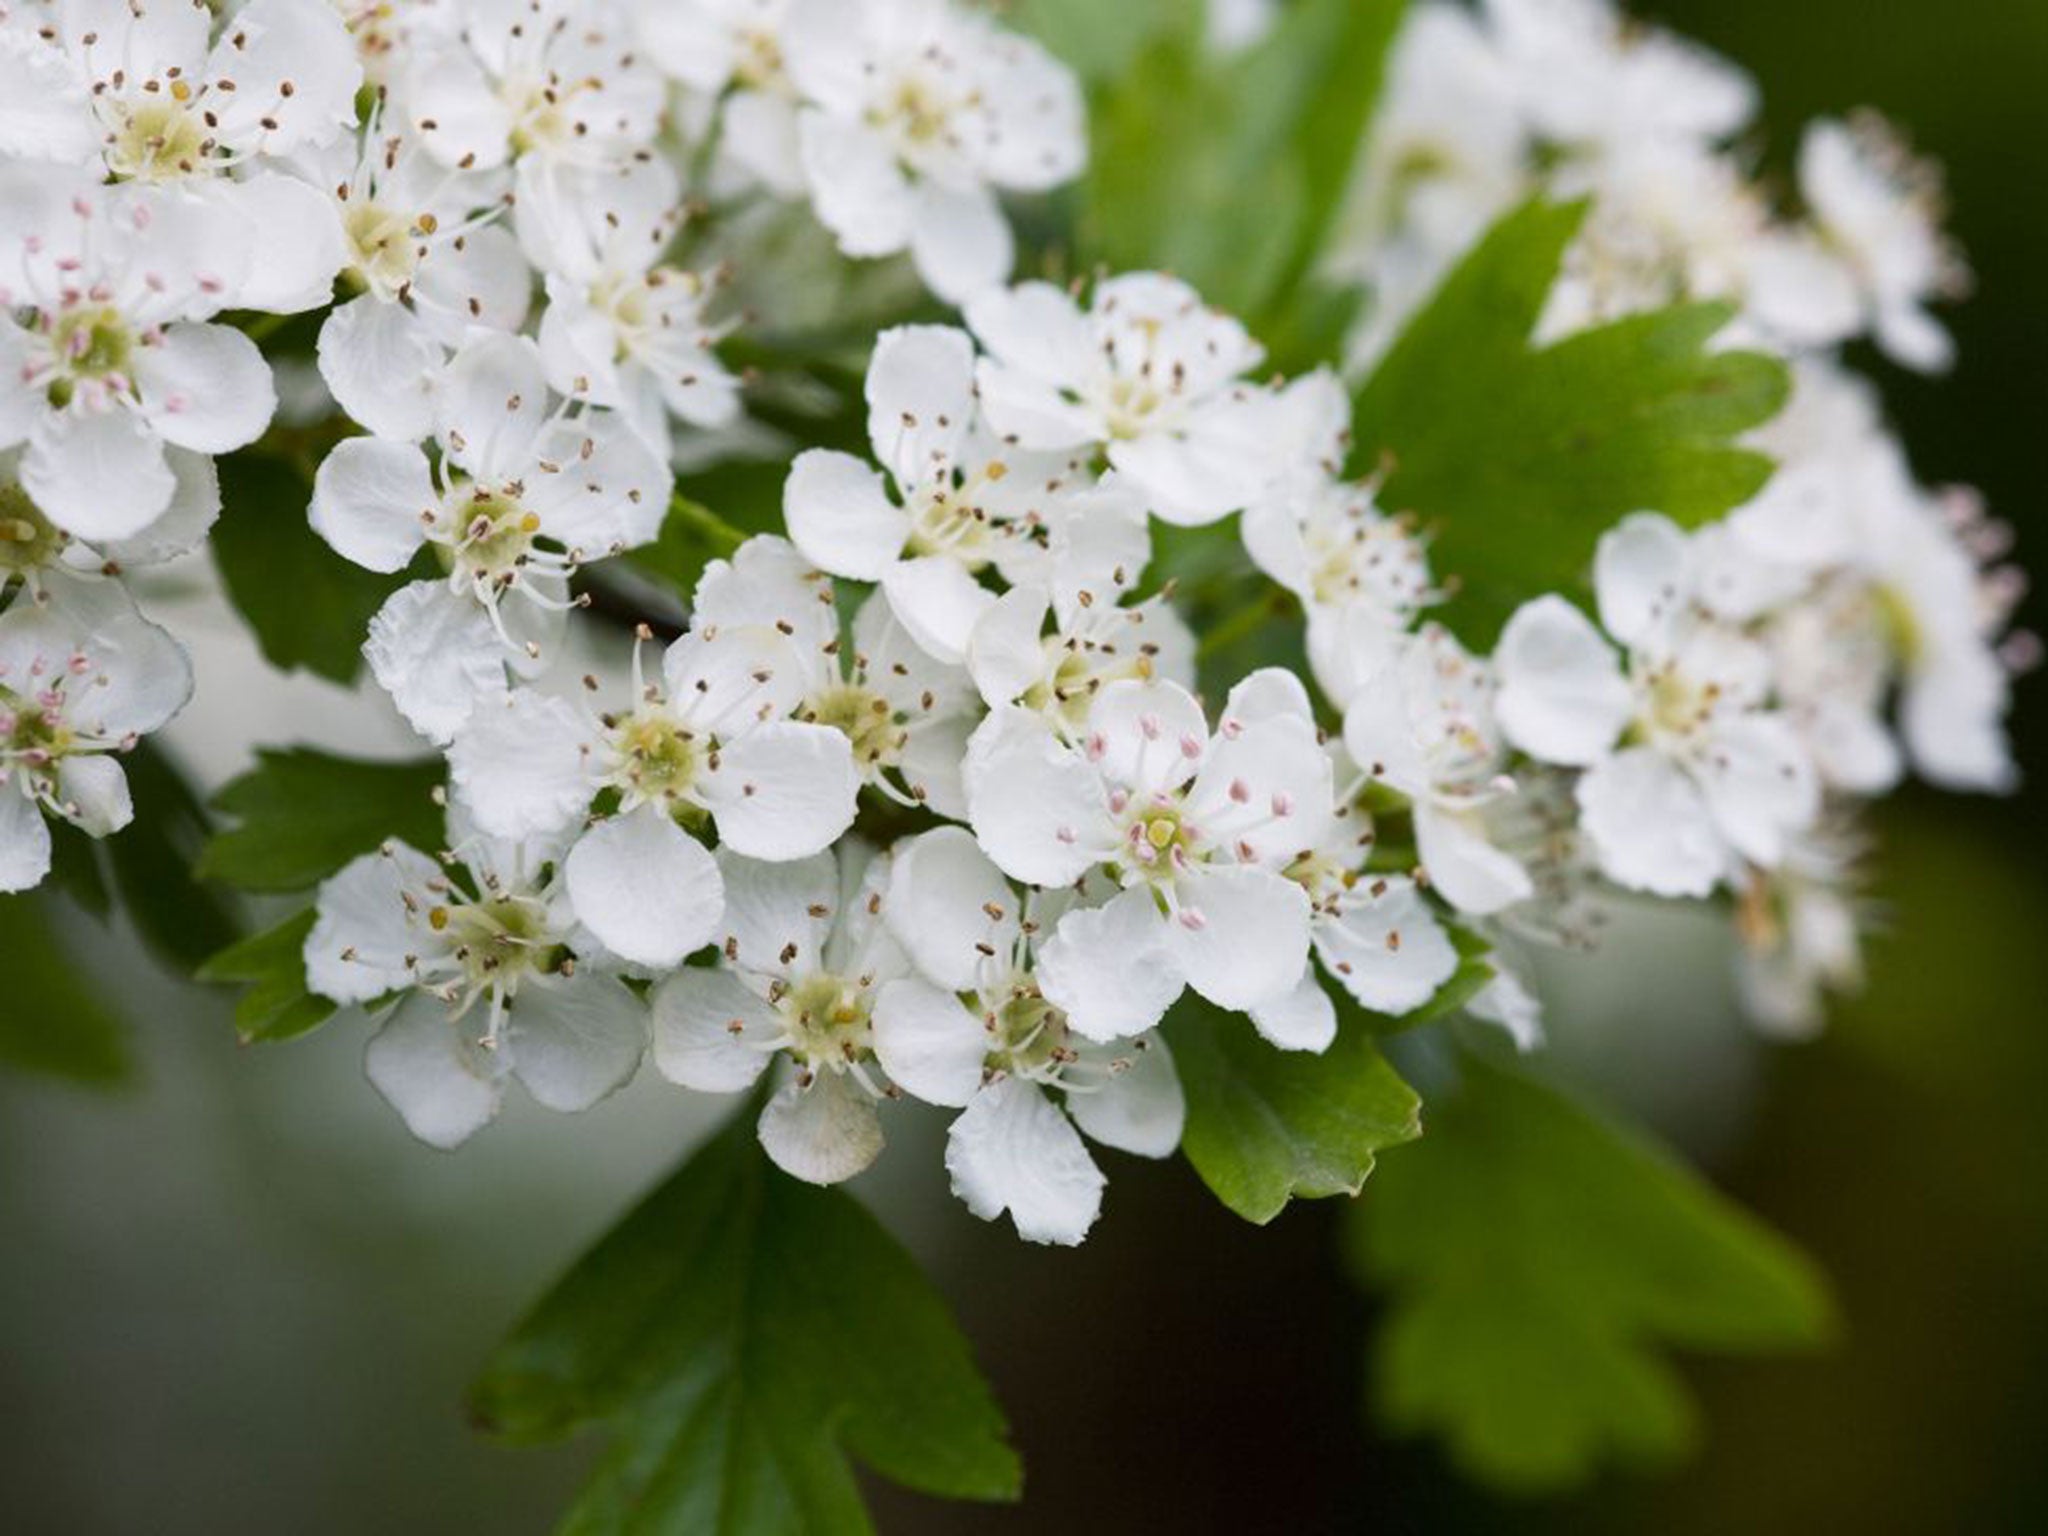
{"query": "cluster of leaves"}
pixel 1537 1259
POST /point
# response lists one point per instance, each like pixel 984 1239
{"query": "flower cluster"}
pixel 924 795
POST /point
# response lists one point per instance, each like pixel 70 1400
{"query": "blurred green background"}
pixel 235 1296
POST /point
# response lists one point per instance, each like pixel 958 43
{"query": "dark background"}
pixel 238 1299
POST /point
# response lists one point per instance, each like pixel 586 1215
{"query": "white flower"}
pixel 804 955
pixel 1373 932
pixel 1689 773
pixel 712 737
pixel 428 259
pixel 963 500
pixel 916 112
pixel 971 1030
pixel 1421 720
pixel 1148 373
pixel 82 676
pixel 1800 928
pixel 620 327
pixel 552 82
pixel 1593 80
pixel 731 51
pixel 1190 832
pixel 1878 211
pixel 145 94
pixel 474 955
pixel 104 361
pixel 40 553
pixel 907 714
pixel 1051 653
pixel 521 496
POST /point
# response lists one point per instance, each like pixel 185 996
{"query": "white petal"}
pixel 823 1134
pixel 194 508
pixel 97 474
pixel 93 792
pixel 428 1067
pixel 920 397
pixel 1760 785
pixel 24 841
pixel 1267 791
pixel 295 72
pixel 1147 736
pixel 648 890
pixel 929 1042
pixel 301 245
pixel 435 653
pixel 1012 1150
pixel 364 929
pixel 1302 1020
pixel 707 1024
pixel 1649 825
pixel 840 516
pixel 1139 1108
pixel 1005 655
pixel 371 500
pixel 960 241
pixel 1242 937
pixel 521 764
pixel 784 790
pixel 379 361
pixel 1465 868
pixel 1639 575
pixel 1038 809
pixel 950 908
pixel 935 599
pixel 574 1040
pixel 1562 696
pixel 206 387
pixel 858 190
pixel 1385 947
pixel 1109 968
pixel 491 405
pixel 777 909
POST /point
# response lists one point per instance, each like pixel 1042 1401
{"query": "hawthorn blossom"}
pixel 730 51
pixel 1689 772
pixel 39 553
pixel 427 259
pixel 907 715
pixel 964 502
pixel 1800 930
pixel 915 114
pixel 1373 932
pixel 471 962
pixel 1878 211
pixel 83 676
pixel 710 739
pixel 1422 721
pixel 1190 834
pixel 107 364
pixel 521 496
pixel 1148 373
pixel 805 954
pixel 622 327
pixel 1052 654
pixel 143 91
pixel 971 1030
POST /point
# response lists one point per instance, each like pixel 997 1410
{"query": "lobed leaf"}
pixel 52 1022
pixel 1541 1261
pixel 277 1005
pixel 1519 458
pixel 738 1335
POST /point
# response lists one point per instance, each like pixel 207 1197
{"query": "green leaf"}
pixel 1266 1125
pixel 1230 171
pixel 1100 42
pixel 152 862
pixel 1540 1261
pixel 738 1334
pixel 691 537
pixel 51 1020
pixel 308 606
pixel 1520 458
pixel 277 1005
pixel 303 814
